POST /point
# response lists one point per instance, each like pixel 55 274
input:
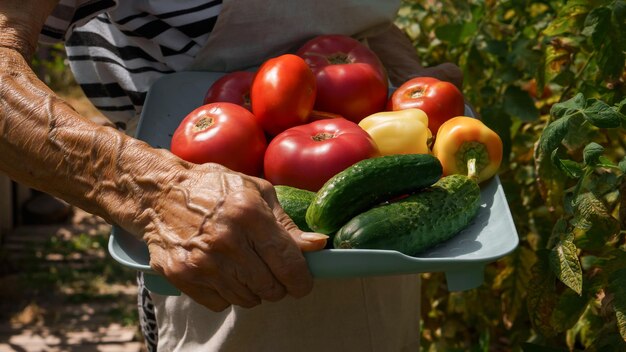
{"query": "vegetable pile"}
pixel 396 171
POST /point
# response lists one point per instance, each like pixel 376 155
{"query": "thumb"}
pixel 309 241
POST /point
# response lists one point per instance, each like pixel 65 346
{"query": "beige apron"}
pixel 249 32
pixel 370 314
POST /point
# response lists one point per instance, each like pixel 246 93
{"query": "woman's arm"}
pixel 219 236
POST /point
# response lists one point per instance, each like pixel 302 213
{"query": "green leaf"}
pixel 570 18
pixel 518 103
pixel 594 225
pixel 622 165
pixel 568 107
pixel 474 67
pixel 497 47
pixel 498 120
pixel 569 308
pixel 610 61
pixel 597 25
pixel 601 114
pixel 565 264
pixel 549 176
pixel 512 281
pixel 531 347
pixel 569 167
pixel 579 134
pixel 621 108
pixel 607 341
pixel 592 153
pixel 554 61
pixel 551 137
pixel 589 261
pixel 541 297
pixel 617 286
pixel 456 33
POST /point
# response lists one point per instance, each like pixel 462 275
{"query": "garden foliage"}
pixel 548 76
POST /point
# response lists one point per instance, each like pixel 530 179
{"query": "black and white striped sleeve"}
pixel 70 13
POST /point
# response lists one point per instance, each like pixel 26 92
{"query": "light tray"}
pixel 490 236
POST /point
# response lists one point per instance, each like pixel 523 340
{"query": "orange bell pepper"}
pixel 399 132
pixel 465 145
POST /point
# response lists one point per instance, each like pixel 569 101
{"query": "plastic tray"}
pixel 490 236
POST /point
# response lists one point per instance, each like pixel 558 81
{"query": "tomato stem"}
pixel 338 58
pixel 417 93
pixel 322 136
pixel 203 124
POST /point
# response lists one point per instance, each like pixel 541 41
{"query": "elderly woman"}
pixel 218 235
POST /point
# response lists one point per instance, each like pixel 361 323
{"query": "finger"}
pixel 246 281
pixel 283 257
pixel 286 263
pixel 202 295
pixel 235 293
pixel 310 241
pixel 270 197
pixel 219 272
pixel 197 274
pixel 206 297
pixel 261 281
pixel 306 241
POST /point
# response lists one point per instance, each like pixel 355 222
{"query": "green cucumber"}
pixel 367 183
pixel 295 202
pixel 417 222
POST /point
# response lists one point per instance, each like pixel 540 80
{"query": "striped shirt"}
pixel 117 49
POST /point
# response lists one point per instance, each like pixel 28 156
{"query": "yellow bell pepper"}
pixel 466 146
pixel 399 132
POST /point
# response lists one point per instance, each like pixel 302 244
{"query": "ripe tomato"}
pixel 351 80
pixel 223 133
pixel 306 156
pixel 440 100
pixel 283 93
pixel 233 88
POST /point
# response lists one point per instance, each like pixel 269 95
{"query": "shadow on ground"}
pixel 61 291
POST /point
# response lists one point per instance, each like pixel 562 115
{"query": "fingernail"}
pixel 313 236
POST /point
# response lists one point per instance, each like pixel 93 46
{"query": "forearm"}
pixel 397 54
pixel 20 23
pixel 48 146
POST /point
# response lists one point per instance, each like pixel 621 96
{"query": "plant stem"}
pixel 471 169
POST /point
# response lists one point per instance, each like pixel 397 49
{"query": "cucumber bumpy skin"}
pixel 415 223
pixel 368 183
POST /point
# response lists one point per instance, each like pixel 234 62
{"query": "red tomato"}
pixel 223 133
pixel 351 80
pixel 233 88
pixel 440 100
pixel 306 156
pixel 283 93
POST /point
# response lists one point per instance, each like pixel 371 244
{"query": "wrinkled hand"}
pixel 222 238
